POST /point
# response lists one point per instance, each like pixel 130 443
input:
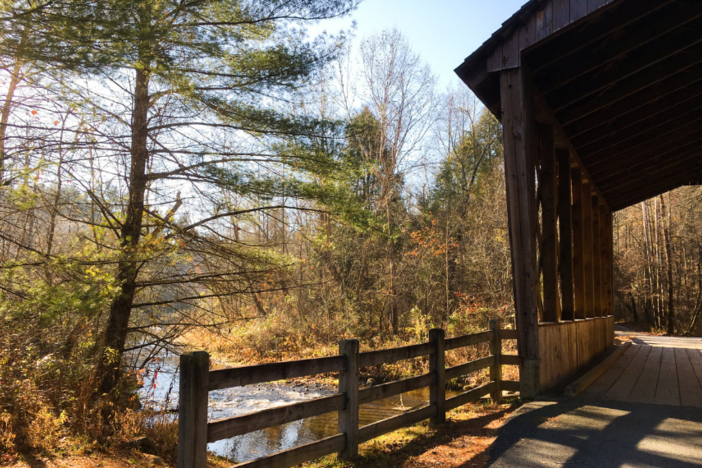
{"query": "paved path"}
pixel 644 412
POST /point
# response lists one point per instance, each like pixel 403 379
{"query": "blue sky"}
pixel 443 32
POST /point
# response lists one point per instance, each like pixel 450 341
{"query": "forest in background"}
pixel 178 175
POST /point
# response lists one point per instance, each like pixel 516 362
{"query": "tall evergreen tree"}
pixel 191 95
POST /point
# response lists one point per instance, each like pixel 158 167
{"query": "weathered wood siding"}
pixel 567 347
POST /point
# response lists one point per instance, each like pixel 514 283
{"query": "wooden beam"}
pixel 578 246
pixel 549 237
pixel 192 412
pixel 565 222
pixel 562 136
pixel 642 134
pixel 635 87
pixel 671 159
pixel 588 267
pixel 651 101
pixel 669 174
pixel 519 142
pixel 596 257
pixel 640 69
pixel 645 144
pixel 582 36
pixel 606 260
pixel 649 189
pixel 609 135
pixel 660 24
pixel 347 421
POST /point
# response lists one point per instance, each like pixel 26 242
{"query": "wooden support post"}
pixel 437 392
pixel 596 257
pixel 496 368
pixel 588 251
pixel 578 246
pixel 192 409
pixel 606 260
pixel 348 384
pixel 565 216
pixel 519 141
pixel 549 240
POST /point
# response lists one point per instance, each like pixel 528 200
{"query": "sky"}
pixel 442 32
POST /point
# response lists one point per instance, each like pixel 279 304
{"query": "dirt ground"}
pixel 464 441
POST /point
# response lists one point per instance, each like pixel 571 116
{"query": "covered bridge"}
pixel 601 104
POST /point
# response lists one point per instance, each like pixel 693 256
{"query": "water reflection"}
pixel 160 391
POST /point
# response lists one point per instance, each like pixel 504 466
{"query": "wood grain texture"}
pixel 519 139
pixel 469 396
pixel 247 375
pixel 690 389
pixel 468 340
pixel 379 428
pixel 348 418
pixel 668 389
pixel 578 246
pixel 386 356
pixel 231 427
pixel 645 389
pixel 386 390
pixel 297 455
pixel 549 224
pixel 192 411
pixel 437 367
pixel 469 367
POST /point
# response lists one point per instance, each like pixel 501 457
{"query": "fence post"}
pixel 348 384
pixel 192 409
pixel 437 392
pixel 496 369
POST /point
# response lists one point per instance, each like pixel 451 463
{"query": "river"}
pixel 160 390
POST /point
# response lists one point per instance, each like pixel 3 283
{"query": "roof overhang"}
pixel 621 80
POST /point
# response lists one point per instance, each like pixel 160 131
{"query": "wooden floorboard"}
pixel 668 390
pixel 604 383
pixel 622 388
pixel 690 389
pixel 645 389
pixel 696 361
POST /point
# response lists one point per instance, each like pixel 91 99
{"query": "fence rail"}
pixel 194 432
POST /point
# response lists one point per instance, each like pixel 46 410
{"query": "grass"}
pixel 464 440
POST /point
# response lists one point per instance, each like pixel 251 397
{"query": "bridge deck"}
pixel 655 370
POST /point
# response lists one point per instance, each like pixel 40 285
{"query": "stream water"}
pixel 160 391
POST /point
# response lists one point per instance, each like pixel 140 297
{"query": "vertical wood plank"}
pixel 511 53
pixel 437 392
pixel 496 368
pixel 593 5
pixel 578 9
pixel 596 258
pixel 192 409
pixel 565 222
pixel 495 61
pixel 518 134
pixel 549 239
pixel 544 21
pixel 348 384
pixel 588 270
pixel 605 259
pixel 578 246
pixel 561 14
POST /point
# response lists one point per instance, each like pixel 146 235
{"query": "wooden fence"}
pixel 196 380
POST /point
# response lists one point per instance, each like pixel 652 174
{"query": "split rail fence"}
pixel 196 380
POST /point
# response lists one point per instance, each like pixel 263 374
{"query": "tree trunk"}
pixel 669 261
pixel 121 307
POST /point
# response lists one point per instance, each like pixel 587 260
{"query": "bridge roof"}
pixel 621 80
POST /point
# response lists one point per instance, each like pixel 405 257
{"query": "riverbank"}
pixel 464 440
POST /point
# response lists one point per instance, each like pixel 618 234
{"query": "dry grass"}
pixel 464 441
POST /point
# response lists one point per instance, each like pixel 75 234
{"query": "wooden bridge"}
pixel 600 104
